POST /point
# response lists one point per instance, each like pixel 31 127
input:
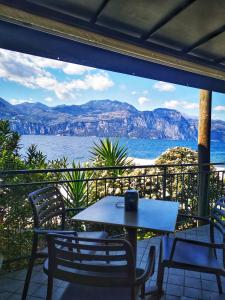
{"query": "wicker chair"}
pixel 84 261
pixel 48 204
pixel 195 255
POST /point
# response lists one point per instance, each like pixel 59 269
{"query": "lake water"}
pixel 77 148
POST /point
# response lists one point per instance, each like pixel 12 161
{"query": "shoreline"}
pixel 142 161
pixel 146 161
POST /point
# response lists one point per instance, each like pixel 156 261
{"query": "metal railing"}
pixel 83 186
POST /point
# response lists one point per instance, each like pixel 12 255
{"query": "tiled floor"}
pixel 178 284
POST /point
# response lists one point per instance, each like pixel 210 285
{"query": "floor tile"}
pixel 174 290
pixel 192 282
pixel 192 292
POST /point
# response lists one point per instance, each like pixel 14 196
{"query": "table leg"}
pixel 132 237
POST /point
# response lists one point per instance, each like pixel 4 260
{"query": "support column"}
pixel 204 132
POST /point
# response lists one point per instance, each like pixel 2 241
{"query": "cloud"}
pixel 171 104
pixel 33 72
pixel 67 68
pixel 164 86
pixel 72 69
pixel 19 101
pixel 219 108
pixel 133 92
pixel 49 99
pixel 99 81
pixel 143 100
pixel 191 105
pixel 179 104
pixel 145 92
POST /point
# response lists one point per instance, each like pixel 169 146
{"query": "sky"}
pixel 27 78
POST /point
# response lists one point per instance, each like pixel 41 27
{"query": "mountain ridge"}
pixel 102 118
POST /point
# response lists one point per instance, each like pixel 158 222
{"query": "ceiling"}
pixel 187 32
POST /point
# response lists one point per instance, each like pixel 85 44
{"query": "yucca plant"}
pixel 108 153
pixel 77 187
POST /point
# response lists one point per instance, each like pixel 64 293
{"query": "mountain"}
pixel 104 118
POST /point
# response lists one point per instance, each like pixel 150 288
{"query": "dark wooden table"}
pixel 155 215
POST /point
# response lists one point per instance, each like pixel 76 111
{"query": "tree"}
pixel 77 187
pixel 181 181
pixel 9 147
pixel 15 210
pixel 179 156
pixel 110 154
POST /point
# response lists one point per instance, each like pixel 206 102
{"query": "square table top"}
pixel 155 215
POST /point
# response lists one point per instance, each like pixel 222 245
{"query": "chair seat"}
pixel 85 234
pixel 189 254
pixel 118 279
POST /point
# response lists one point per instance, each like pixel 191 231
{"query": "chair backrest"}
pixel 47 203
pixel 90 261
pixel 218 218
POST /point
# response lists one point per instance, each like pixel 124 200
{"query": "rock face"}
pixel 104 118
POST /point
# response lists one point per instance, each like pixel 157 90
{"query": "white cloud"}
pixel 49 99
pixel 19 101
pixel 179 104
pixel 143 100
pixel 171 104
pixel 164 86
pixel 133 92
pixel 219 108
pixel 67 68
pixel 30 71
pixel 99 81
pixel 191 105
pixel 145 92
pixel 72 69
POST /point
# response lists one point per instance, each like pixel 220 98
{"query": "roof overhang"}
pixel 32 33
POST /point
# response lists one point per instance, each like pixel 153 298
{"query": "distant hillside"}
pixel 104 118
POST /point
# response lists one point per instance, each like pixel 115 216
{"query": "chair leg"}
pixel 50 287
pixel 219 283
pixel 133 293
pixel 160 279
pixel 160 274
pixel 30 269
pixel 142 295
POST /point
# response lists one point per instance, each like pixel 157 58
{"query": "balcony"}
pixel 170 182
pixel 178 284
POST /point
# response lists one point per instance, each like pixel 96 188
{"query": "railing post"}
pixel 164 181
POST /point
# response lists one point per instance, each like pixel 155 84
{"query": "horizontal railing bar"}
pixel 22 172
pixel 105 178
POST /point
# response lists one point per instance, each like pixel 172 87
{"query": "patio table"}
pixel 155 215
